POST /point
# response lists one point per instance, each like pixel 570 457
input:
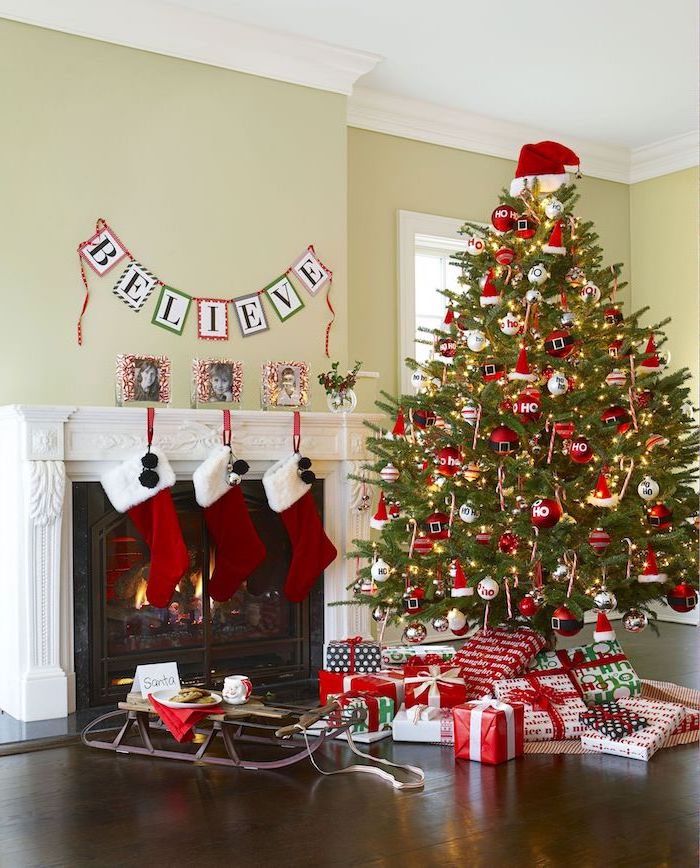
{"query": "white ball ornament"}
pixel 648 488
pixel 456 620
pixel 487 588
pixel 510 324
pixel 476 340
pixel 589 292
pixel 553 208
pixel 419 380
pixel 467 513
pixel 533 296
pixel 557 384
pixel 475 246
pixel 538 274
pixel 380 570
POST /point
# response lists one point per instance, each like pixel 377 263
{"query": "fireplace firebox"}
pixel 257 632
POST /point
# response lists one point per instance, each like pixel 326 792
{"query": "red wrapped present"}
pixel 493 654
pixel 379 709
pixel 489 731
pixel 386 683
pixel 419 665
pixel 435 688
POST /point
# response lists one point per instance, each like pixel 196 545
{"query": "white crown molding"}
pixel 167 28
pixel 662 158
pixel 453 128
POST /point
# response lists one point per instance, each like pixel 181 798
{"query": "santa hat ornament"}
pixel 449 317
pixel 522 368
pixel 601 495
pixel 459 581
pixel 651 364
pixel 399 429
pixel 546 163
pixel 650 574
pixel 603 629
pixel 239 550
pixel 141 485
pixel 380 517
pixel 555 244
pixel 489 293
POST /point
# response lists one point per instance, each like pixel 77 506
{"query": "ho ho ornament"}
pixel 648 488
pixel 467 513
pixel 545 512
pixel 419 380
pixel 538 274
pixel 528 405
pixel 589 292
pixel 476 340
pixel 475 245
pixel 487 588
pixel 580 451
pixel 449 461
pixel 510 324
pixel 557 384
pixel 503 218
pixel 380 570
pixel 552 208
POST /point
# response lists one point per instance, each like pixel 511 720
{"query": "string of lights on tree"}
pixel 545 464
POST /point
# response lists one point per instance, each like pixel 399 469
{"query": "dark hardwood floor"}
pixel 72 806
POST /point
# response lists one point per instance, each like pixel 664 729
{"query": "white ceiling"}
pixel 622 72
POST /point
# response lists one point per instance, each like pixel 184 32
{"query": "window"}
pixel 426 244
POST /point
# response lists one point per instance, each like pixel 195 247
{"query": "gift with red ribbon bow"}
pixel 552 705
pixel 435 688
pixel 386 683
pixel 354 654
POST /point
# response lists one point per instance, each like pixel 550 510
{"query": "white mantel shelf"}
pixel 43 449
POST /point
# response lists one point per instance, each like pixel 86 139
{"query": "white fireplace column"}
pixel 43 450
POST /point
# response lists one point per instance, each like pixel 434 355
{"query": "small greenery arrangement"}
pixel 332 381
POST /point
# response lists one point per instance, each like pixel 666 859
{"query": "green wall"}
pixel 216 181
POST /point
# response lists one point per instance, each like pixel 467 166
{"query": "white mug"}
pixel 237 689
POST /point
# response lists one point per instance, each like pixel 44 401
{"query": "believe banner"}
pixel 135 284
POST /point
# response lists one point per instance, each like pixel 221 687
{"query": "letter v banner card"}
pixel 283 297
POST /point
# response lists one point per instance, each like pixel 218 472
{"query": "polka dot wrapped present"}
pixel 601 670
pixel 353 655
pixel 612 719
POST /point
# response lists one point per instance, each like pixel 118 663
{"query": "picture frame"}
pixel 285 385
pixel 142 379
pixel 216 382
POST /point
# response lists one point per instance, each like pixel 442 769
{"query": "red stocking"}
pixel 153 513
pixel 238 548
pixel 312 551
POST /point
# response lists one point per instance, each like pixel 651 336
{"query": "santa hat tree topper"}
pixel 546 163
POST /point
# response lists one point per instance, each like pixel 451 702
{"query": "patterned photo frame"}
pixel 285 385
pixel 142 379
pixel 216 382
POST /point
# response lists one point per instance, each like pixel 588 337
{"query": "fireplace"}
pixel 257 632
pixel 46 452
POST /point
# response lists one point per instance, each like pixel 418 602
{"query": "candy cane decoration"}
pixel 560 496
pixel 633 373
pixel 486 616
pixel 499 486
pixel 476 425
pixel 534 545
pixel 385 621
pixel 509 606
pixel 633 414
pixel 413 522
pixel 630 549
pixel 509 273
pixel 570 559
pixel 451 502
pixel 627 478
pixel 549 426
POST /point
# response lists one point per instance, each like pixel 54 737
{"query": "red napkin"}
pixel 181 722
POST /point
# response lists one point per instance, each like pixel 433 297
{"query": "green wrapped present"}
pixel 600 671
pixel 380 709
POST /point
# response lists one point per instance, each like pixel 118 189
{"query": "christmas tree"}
pixel 545 465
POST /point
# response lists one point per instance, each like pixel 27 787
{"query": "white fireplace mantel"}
pixel 43 449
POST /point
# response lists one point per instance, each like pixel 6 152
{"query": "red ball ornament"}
pixel 484 537
pixel 504 256
pixel 580 451
pixel 616 416
pixel 546 373
pixel 529 606
pixel 423 418
pixel 449 461
pixel 660 517
pixel 437 526
pixel 682 598
pixel 613 315
pixel 599 540
pixel 615 349
pixel 508 543
pixel 447 348
pixel 492 370
pixel 505 406
pixel 565 623
pixel 545 512
pixel 528 405
pixel 642 398
pixel 413 600
pixel 423 545
pixel 559 344
pixel 504 440
pixel 565 430
pixel 525 227
pixel 503 218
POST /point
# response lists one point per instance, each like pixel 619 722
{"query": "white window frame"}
pixel 416 230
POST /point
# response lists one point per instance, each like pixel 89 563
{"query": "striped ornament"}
pixel 599 540
pixel 423 545
pixel 389 473
pixel 656 440
pixel 616 378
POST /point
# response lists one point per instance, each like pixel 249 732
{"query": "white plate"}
pixel 162 696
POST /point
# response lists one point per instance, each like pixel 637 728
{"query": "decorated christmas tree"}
pixel 545 464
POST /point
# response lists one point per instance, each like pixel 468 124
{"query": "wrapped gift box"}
pixel 690 723
pixel 353 655
pixel 493 654
pixel 678 695
pixel 601 670
pixel 379 710
pixel 611 719
pixel 385 683
pixel 662 719
pixel 417 664
pixel 436 688
pixel 397 655
pixel 420 723
pixel 552 705
pixel 489 731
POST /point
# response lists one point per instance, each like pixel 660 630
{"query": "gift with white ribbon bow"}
pixel 489 731
pixel 434 688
